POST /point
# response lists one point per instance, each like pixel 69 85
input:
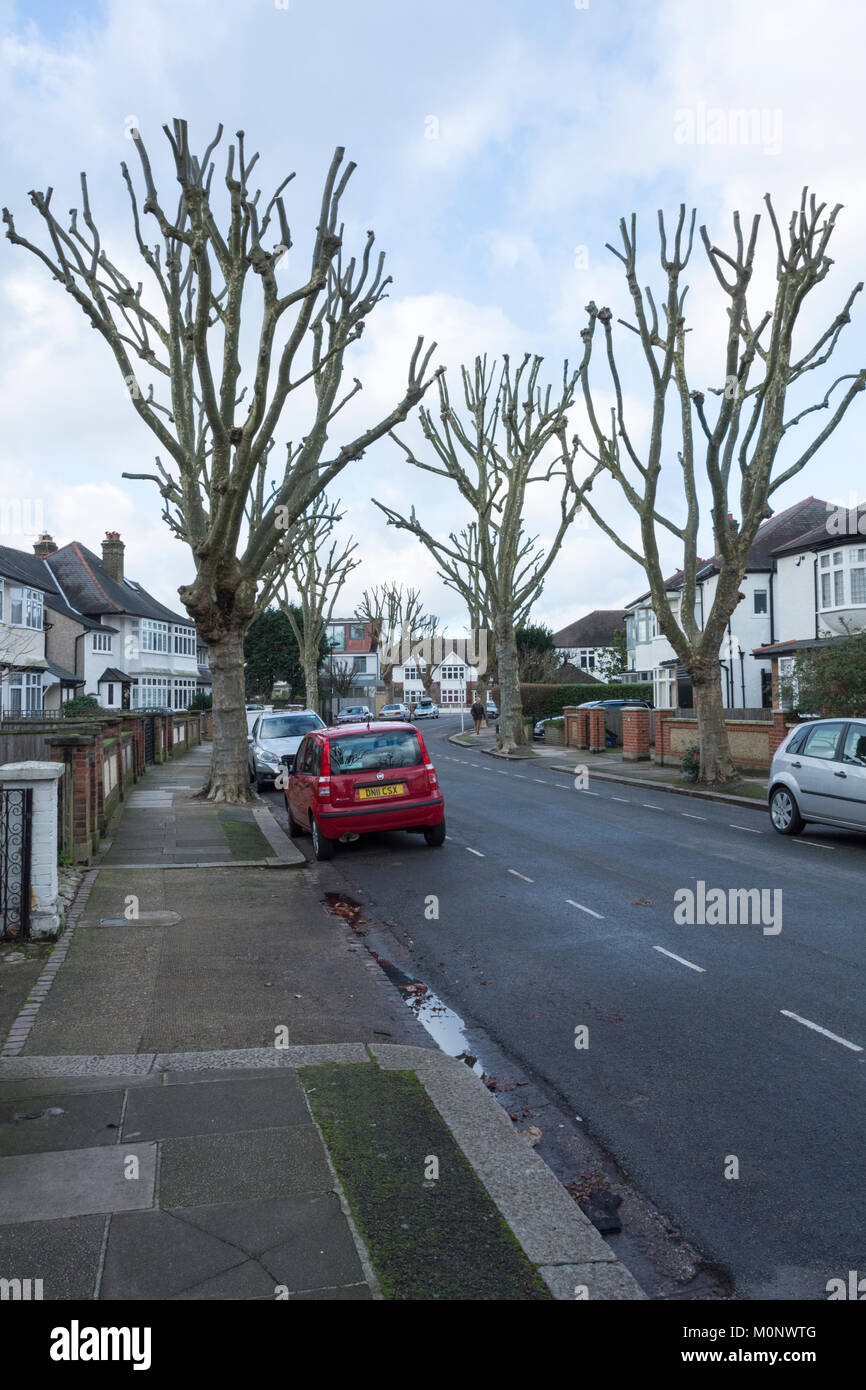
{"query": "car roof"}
pixel 374 727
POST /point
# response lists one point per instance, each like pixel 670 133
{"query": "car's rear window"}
pixel 289 726
pixel 368 752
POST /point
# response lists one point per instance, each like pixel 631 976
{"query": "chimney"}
pixel 44 546
pixel 112 555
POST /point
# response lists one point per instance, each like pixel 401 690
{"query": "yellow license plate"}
pixel 379 793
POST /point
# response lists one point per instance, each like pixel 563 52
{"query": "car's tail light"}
pixel 431 776
pixel 325 768
pixel 324 789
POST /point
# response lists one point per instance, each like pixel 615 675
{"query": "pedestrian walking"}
pixel 477 713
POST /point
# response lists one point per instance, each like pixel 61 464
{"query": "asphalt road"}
pixel 706 1054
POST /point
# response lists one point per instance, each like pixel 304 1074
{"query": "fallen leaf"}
pixel 531 1135
pixel 644 902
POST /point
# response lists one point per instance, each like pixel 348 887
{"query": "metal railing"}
pixel 16 818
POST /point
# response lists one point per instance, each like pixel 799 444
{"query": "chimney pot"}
pixel 44 545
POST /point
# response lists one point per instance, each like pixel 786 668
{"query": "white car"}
pixel 396 710
pixel 274 741
pixel 426 709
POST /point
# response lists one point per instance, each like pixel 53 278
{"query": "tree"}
pixel 829 681
pixel 760 366
pixel 187 330
pixel 318 579
pixel 611 661
pixel 398 625
pixel 537 660
pixel 512 424
pixel 271 653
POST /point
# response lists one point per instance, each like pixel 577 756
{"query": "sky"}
pixel 498 145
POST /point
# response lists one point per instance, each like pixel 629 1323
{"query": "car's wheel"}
pixel 784 812
pixel 322 847
pixel 435 834
pixel 261 783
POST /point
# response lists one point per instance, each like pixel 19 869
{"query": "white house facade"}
pixel 773 594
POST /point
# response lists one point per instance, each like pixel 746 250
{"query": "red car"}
pixel 350 780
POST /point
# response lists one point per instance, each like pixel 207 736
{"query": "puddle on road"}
pixel 445 1027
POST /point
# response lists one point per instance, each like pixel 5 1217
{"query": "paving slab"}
pixel 60 1121
pixel 204 1171
pixel 75 1182
pixel 63 1253
pixel 221 1107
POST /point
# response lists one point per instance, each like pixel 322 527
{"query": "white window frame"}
pixel 184 641
pixel 183 689
pixel 760 612
pixel 102 641
pixel 29 603
pixel 28 684
pixel 154 637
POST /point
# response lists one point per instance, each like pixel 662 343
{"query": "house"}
pixel 32 677
pixel 767 592
pixel 89 629
pixel 452 677
pixel 821 590
pixel 352 654
pixel 580 642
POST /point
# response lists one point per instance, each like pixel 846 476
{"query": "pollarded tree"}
pixel 760 365
pixel 216 294
pixel 398 626
pixel 515 435
pixel 318 576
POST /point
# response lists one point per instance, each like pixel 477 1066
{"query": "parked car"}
pixel 614 704
pixel 426 709
pixel 397 710
pixel 274 741
pixel 354 714
pixel 351 782
pixel 539 729
pixel 492 711
pixel 253 712
pixel 819 774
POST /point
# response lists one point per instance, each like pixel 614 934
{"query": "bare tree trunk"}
pixel 311 678
pixel 511 732
pixel 717 764
pixel 229 775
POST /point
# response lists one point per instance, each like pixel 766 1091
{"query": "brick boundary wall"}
pixel 771 734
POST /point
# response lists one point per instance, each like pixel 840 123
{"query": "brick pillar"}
pixel 663 735
pixel 779 730
pixel 41 778
pixel 635 735
pixel 596 730
pixel 169 735
pixel 208 724
pixel 78 750
pixel 569 714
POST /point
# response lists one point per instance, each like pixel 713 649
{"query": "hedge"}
pixel 546 701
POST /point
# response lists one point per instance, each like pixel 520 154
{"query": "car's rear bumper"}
pixel 360 820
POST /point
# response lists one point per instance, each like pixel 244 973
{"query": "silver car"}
pixel 426 709
pixel 819 774
pixel 397 710
pixel 274 741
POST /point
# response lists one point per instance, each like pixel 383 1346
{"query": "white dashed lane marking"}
pixel 681 960
pixel 818 1029
pixel 476 852
pixel 689 816
pixel 748 829
pixel 523 876
pixel 572 903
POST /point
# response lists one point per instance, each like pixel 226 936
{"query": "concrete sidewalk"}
pixel 215 1093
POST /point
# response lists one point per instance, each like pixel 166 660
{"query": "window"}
pixel 182 692
pixel 410 673
pixel 288 725
pixel 109 700
pixel 797 740
pixel 760 600
pixel 371 752
pixel 184 641
pixel 154 636
pixel 822 741
pixel 357 632
pixel 452 673
pixel 25 691
pixel 102 641
pixel 855 745
pixel 359 663
pixel 337 639
pixel 151 690
pixel 25 608
pixel 858 576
